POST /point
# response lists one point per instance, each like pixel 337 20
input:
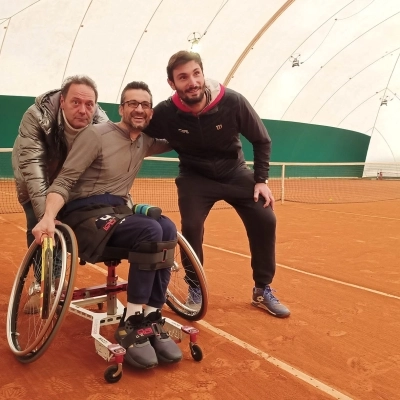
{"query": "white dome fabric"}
pixel 348 72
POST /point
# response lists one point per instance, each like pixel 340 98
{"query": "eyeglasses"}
pixel 135 104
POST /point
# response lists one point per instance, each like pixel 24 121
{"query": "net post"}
pixel 283 184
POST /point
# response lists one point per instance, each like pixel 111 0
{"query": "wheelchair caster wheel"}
pixel 196 352
pixel 111 374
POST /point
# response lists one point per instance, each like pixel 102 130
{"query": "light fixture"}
pixel 295 60
pixel 194 40
pixel 385 100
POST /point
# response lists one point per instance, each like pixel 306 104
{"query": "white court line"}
pixel 12 223
pixel 280 364
pixel 314 275
pixel 350 213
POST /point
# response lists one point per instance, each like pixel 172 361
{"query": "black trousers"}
pixel 31 222
pixel 196 196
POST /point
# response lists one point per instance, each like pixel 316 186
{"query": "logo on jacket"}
pixel 218 127
pixel 183 130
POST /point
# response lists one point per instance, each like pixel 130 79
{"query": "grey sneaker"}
pixel 133 335
pixel 265 299
pixel 166 349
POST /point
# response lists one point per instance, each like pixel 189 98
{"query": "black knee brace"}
pixel 154 255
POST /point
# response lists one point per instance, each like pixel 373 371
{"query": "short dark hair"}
pixel 182 57
pixel 136 85
pixel 78 80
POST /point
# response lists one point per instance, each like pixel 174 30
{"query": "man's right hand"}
pixel 45 227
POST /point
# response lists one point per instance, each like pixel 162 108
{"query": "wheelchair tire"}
pixel 28 334
pixel 187 273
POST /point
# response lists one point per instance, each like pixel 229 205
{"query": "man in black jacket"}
pixel 202 122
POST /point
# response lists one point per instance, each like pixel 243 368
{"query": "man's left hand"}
pixel 263 190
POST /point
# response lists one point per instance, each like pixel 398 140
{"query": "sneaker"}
pixel 133 335
pixel 194 299
pixel 32 306
pixel 166 349
pixel 265 299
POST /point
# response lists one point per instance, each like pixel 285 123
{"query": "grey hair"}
pixel 78 80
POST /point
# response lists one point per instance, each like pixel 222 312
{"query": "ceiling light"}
pixel 194 40
pixel 295 60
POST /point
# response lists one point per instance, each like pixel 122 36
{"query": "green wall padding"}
pixel 298 142
pixel 11 110
pixel 291 141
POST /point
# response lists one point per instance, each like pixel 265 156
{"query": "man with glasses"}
pixel 98 175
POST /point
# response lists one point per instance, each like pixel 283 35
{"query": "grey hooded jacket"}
pixel 40 149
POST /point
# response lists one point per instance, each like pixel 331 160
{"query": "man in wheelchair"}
pixel 91 194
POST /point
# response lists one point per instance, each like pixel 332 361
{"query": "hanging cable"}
pixel 73 43
pixel 349 80
pixel 323 40
pixel 134 51
pixel 9 21
pixel 384 93
pixel 336 19
pixel 384 139
pixel 195 37
pixel 5 34
pixel 305 40
pixel 215 16
pixel 358 12
pixel 355 108
pixel 345 47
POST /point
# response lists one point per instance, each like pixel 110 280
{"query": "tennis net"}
pixel 289 182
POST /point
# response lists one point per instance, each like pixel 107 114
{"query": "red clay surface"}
pixel 338 272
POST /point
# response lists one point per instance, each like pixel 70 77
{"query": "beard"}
pixel 140 126
pixel 190 99
pixel 137 126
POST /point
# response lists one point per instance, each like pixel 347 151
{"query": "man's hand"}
pixel 263 190
pixel 45 227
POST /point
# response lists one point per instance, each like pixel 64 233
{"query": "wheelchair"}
pixel 29 334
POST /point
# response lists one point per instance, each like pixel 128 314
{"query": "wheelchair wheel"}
pixel 187 292
pixel 29 331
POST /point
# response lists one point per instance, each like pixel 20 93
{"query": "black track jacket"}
pixel 209 144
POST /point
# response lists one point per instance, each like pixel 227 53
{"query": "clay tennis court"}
pixel 338 271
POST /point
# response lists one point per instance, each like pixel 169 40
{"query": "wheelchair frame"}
pixel 28 348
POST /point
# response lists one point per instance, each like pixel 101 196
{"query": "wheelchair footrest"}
pixel 114 352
